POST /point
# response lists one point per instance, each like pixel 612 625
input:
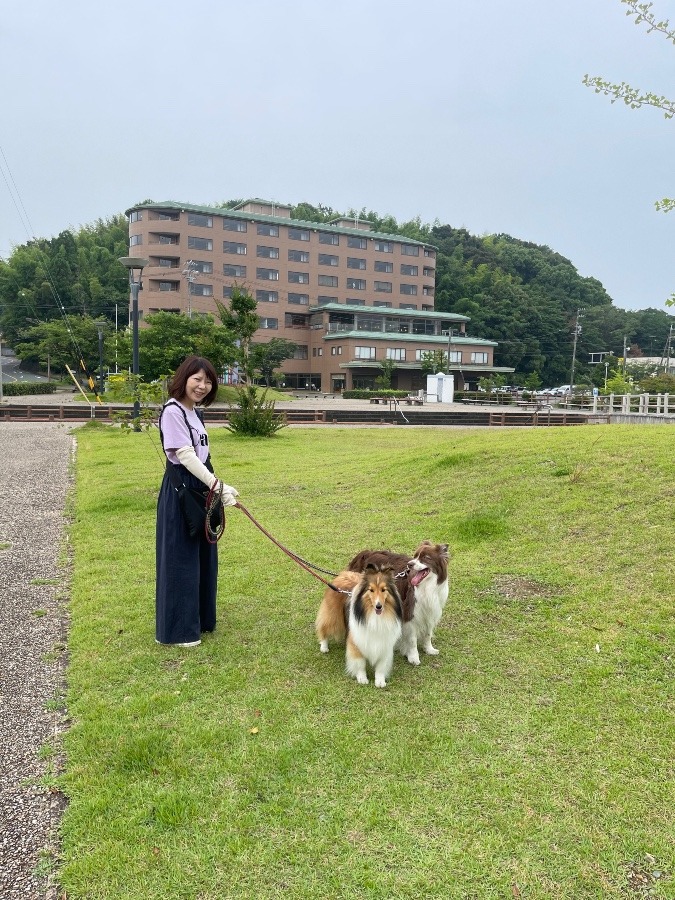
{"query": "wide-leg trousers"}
pixel 187 571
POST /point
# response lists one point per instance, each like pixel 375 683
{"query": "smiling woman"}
pixel 187 561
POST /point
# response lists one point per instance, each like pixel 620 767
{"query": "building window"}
pixel 298 277
pixel 293 320
pixel 267 252
pixel 381 266
pixel 200 221
pixel 167 216
pixel 369 323
pixel 431 254
pixel 423 326
pixel 234 271
pixel 427 291
pixel 427 307
pixel 267 296
pixel 135 240
pixel 325 237
pixel 298 256
pixel 136 217
pixel 326 280
pixel 357 243
pixel 354 301
pixel 227 291
pixel 410 289
pixel 267 274
pixel 298 234
pixel 206 268
pixel 355 262
pixel 235 225
pixel 384 246
pixel 395 353
pixel 299 299
pixel 456 356
pixel 201 290
pixel 300 351
pixel 234 247
pixel 356 284
pixel 479 357
pixel 409 270
pixel 326 259
pixel 170 239
pixel 364 352
pixel 409 306
pixel 197 243
pixel 322 299
pixel 168 285
pixel 383 286
pixel 410 250
pixel 428 272
pixel 336 351
pixel 269 230
pixel 317 351
pixel 168 262
pixel 266 322
pixel 402 326
pixel 382 303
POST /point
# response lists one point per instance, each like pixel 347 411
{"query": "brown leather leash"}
pixel 307 566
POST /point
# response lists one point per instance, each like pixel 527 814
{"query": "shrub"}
pixel 255 416
pixel 366 394
pixel 16 389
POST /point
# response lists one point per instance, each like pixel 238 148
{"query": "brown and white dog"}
pixel 422 582
pixel 368 611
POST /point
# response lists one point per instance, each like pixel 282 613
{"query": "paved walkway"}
pixel 36 473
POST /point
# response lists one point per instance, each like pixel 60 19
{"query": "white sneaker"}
pixel 186 644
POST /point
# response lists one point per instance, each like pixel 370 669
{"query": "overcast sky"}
pixel 472 113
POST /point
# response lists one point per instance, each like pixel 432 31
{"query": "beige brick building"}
pixel 348 297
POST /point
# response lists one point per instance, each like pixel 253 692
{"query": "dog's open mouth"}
pixel 418 577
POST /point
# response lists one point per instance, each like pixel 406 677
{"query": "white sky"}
pixel 472 113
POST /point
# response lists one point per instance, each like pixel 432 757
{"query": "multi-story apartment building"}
pixel 347 296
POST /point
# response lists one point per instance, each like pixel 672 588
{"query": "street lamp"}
pixel 135 264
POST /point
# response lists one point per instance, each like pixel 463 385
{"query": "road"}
pixel 12 371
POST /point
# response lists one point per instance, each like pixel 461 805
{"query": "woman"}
pixel 187 567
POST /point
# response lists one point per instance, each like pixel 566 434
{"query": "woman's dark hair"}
pixel 190 366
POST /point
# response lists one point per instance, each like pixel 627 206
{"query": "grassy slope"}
pixel 532 758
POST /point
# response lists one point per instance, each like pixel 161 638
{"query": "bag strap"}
pixel 170 467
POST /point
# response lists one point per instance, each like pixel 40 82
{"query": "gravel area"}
pixel 36 477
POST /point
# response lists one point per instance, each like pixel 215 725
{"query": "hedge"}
pixel 19 388
pixel 366 394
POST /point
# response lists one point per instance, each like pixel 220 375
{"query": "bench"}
pixel 379 399
pixel 418 401
pixel 533 404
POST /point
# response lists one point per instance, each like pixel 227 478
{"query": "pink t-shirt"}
pixel 177 434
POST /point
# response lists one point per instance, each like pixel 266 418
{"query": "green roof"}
pixel 441 339
pixel 389 311
pixel 227 213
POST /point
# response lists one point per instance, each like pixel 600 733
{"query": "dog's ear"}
pixel 444 549
pixel 371 567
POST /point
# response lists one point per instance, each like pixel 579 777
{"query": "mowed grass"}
pixel 532 758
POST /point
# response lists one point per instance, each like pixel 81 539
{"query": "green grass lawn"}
pixel 533 758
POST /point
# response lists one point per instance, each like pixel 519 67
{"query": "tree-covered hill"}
pixel 523 295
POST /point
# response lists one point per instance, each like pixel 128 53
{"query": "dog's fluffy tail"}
pixel 333 615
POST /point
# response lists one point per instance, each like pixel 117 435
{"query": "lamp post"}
pixel 135 264
pixel 1 394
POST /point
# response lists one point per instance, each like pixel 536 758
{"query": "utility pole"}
pixel 191 273
pixel 1 394
pixel 625 351
pixel 575 333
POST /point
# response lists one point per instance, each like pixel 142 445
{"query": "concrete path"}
pixel 35 479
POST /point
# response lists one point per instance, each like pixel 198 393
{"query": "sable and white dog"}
pixel 423 584
pixel 370 616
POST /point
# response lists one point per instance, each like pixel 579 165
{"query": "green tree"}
pixel 434 361
pixel 387 367
pixel 241 320
pixel 265 358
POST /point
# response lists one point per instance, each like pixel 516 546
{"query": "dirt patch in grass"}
pixel 516 587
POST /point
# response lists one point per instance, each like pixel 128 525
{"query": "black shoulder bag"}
pixel 200 517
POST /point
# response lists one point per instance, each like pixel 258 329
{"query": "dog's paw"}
pixel 323 646
pixel 380 681
pixel 431 650
pixel 362 678
pixel 413 658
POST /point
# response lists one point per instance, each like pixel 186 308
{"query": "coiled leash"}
pixel 303 563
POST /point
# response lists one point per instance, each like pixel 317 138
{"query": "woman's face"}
pixel 196 388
